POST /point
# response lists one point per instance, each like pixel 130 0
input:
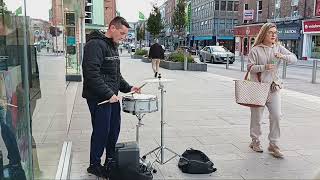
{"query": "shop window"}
pixel 315 47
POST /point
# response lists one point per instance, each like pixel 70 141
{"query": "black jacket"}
pixel 101 69
pixel 156 51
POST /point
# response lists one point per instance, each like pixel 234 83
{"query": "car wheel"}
pixel 231 62
pixel 213 60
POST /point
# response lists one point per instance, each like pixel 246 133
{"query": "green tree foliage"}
pixel 154 23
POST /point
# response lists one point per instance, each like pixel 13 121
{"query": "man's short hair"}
pixel 118 21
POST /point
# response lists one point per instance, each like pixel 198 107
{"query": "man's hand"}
pixel 136 89
pixel 270 67
pixel 114 99
pixel 279 55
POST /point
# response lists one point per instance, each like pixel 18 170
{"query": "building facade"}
pixel 109 11
pixel 212 22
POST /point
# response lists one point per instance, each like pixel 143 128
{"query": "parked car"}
pixel 215 54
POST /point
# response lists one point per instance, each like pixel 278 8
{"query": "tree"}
pixel 154 23
pixel 179 20
pixel 140 33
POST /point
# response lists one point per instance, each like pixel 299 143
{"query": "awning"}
pixel 225 37
pixel 200 38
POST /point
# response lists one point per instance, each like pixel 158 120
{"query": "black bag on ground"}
pixel 195 162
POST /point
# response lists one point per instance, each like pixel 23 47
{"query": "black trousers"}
pixel 106 120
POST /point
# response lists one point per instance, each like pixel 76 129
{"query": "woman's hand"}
pixel 279 55
pixel 270 67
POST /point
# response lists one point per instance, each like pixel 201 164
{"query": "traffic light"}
pixel 55 31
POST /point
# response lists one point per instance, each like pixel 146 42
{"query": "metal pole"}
pixel 25 77
pixel 162 124
pixel 314 71
pixel 227 65
pixel 186 60
pixel 284 70
pixel 242 62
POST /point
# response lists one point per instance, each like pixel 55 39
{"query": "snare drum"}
pixel 139 103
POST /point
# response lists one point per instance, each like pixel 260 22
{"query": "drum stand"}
pixel 162 147
pixel 139 116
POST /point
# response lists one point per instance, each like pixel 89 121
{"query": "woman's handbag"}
pixel 250 93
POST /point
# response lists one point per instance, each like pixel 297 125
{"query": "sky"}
pixel 38 9
pixel 129 9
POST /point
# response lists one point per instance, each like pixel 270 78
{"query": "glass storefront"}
pixel 315 47
pixel 18 77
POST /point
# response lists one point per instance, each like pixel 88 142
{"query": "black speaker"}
pixel 127 155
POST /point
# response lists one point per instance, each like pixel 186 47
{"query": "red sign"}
pixel 317 9
pixel 311 26
pixel 252 30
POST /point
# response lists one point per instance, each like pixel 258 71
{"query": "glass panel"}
pixel 17 65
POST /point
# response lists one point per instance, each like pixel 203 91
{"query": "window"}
pixel 216 6
pixel 223 6
pixel 230 6
pixel 246 6
pixel 235 22
pixel 222 25
pixel 229 24
pixel 260 7
pixel 236 6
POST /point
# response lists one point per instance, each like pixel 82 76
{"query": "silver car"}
pixel 215 54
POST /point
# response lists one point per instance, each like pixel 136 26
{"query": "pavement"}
pixel 201 113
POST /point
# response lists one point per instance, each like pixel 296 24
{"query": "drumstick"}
pixel 103 102
pixel 132 92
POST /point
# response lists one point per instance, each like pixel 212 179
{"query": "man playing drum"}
pixel 101 82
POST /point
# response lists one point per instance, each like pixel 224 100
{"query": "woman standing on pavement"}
pixel 264 60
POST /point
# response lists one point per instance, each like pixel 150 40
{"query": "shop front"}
pixel 289 34
pixel 244 37
pixel 18 89
pixel 311 40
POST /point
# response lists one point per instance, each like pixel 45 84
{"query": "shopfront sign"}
pixel 289 32
pixel 311 26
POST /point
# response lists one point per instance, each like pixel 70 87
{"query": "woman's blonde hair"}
pixel 263 33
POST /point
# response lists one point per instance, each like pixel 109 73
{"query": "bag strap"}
pixel 247 74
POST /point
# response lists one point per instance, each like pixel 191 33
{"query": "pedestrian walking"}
pixel 156 53
pixel 264 61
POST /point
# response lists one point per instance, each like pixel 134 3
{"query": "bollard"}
pixel 227 65
pixel 284 70
pixel 242 62
pixel 185 61
pixel 314 71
